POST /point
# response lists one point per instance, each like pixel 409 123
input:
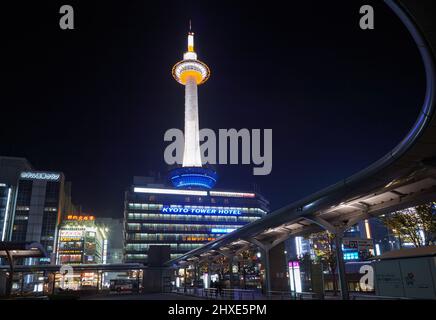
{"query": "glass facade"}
pixel 163 216
pixel 22 209
pixel 5 209
pixel 5 204
pixel 37 213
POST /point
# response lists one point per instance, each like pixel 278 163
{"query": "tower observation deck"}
pixel 191 73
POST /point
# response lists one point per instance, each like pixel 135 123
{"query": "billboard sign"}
pixel 358 244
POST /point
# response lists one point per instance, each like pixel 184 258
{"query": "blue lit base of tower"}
pixel 193 177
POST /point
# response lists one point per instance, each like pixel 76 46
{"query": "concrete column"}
pixel 278 268
pixel 196 275
pixel 10 278
pixel 264 251
pixel 208 273
pixel 341 266
pixel 231 278
pixel 266 265
pixel 185 278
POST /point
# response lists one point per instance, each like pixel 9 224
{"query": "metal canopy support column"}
pixel 338 232
pixel 10 279
pixel 209 272
pixel 231 275
pixel 230 257
pixel 265 255
pixel 197 275
pixel 241 266
pixel 264 250
pixel 341 266
pixel 185 271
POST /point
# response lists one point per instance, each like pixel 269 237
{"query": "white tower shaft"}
pixel 191 154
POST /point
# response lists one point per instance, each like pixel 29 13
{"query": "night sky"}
pixel 95 102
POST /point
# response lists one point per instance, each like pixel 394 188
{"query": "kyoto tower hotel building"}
pixel 189 212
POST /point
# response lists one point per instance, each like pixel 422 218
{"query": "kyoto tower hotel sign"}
pixel 191 73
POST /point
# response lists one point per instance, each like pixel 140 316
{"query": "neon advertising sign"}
pixel 294 276
pixel 222 230
pixel 211 211
pixel 80 218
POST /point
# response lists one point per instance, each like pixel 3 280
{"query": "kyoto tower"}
pixel 191 73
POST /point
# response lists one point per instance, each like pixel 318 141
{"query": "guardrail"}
pixel 289 295
pixel 244 294
pixel 375 297
pixel 223 294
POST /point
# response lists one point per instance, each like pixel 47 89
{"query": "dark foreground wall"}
pixel 278 268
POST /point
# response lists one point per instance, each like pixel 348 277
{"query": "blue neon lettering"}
pixel 167 209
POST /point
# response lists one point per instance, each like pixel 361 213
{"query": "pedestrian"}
pixel 219 288
pixel 215 285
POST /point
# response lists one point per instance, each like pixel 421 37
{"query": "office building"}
pixel 38 208
pixel 183 218
pixel 10 169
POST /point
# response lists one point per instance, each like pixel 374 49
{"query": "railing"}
pixel 280 295
pixel 243 294
pixel 285 295
pixel 374 297
pixel 223 294
pixel 240 294
pixel 289 295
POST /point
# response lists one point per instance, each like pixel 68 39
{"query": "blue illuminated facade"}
pixel 184 219
pixel 193 177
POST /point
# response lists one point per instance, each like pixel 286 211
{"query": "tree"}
pixel 223 266
pixel 324 249
pixel 416 225
pixel 203 267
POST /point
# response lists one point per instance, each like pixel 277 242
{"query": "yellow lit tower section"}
pixel 191 73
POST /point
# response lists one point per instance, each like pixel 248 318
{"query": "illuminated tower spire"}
pixel 191 73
